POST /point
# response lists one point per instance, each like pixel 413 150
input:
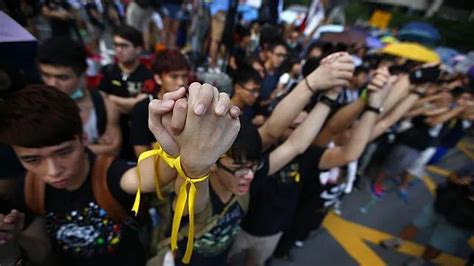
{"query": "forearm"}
pixel 399 90
pixel 360 136
pixel 395 115
pixel 125 105
pixel 284 114
pixel 304 135
pixel 445 116
pixel 345 116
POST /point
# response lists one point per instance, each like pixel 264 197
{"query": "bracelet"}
pixel 181 200
pixel 309 87
pixel 333 104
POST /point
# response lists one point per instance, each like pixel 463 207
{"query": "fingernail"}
pixel 167 103
pixel 199 109
pixel 220 109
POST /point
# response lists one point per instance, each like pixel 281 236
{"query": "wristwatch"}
pixel 374 109
pixel 333 104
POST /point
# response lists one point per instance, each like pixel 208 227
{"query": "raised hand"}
pixel 206 135
pixel 335 70
pixel 379 86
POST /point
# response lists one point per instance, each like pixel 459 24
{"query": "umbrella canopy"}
pixel 347 37
pixel 412 51
pixel 446 54
pixel 419 32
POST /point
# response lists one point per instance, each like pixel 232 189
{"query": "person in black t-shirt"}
pixel 247 83
pixel 62 64
pixel 127 82
pixel 81 231
pixel 171 72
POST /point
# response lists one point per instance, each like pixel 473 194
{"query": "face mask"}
pixel 77 94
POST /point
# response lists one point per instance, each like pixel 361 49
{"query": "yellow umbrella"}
pixel 412 51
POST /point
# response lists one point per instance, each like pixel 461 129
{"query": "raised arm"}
pixel 302 137
pixel 335 70
pixel 342 155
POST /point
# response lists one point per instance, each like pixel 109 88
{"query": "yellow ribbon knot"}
pixel 180 201
pixel 296 176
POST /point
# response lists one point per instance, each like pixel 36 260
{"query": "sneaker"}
pixel 299 244
pixel 377 190
pixel 391 243
pixel 337 208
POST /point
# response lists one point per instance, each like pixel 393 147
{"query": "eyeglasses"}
pixel 241 171
pixel 250 90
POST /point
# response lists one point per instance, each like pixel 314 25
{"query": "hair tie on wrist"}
pixel 309 87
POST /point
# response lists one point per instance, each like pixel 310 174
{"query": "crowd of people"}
pixel 154 160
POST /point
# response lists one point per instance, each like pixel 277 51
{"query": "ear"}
pixel 158 79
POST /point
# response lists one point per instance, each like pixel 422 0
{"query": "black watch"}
pixel 333 104
pixel 374 109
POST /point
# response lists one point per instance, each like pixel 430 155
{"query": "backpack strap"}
pixel 34 193
pixel 101 191
pixel 100 110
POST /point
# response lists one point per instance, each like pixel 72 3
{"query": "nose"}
pixel 52 82
pixel 53 168
pixel 249 175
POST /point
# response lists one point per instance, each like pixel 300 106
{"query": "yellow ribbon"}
pixel 180 201
pixel 296 176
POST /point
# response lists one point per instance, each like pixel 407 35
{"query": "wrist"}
pixel 194 170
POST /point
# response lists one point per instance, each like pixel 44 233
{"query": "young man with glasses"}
pixel 246 90
pixel 276 55
pixel 128 81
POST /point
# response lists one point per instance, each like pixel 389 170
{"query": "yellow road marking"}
pixel 351 237
pixel 438 170
pixel 429 183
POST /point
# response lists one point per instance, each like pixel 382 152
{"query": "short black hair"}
pixel 39 116
pixel 310 65
pixel 268 32
pixel 130 34
pixel 277 42
pixel 64 52
pixel 246 74
pixel 247 147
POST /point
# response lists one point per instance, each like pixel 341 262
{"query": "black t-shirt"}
pixel 140 133
pixel 212 248
pixel 116 83
pixel 273 202
pixel 419 136
pixel 81 231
